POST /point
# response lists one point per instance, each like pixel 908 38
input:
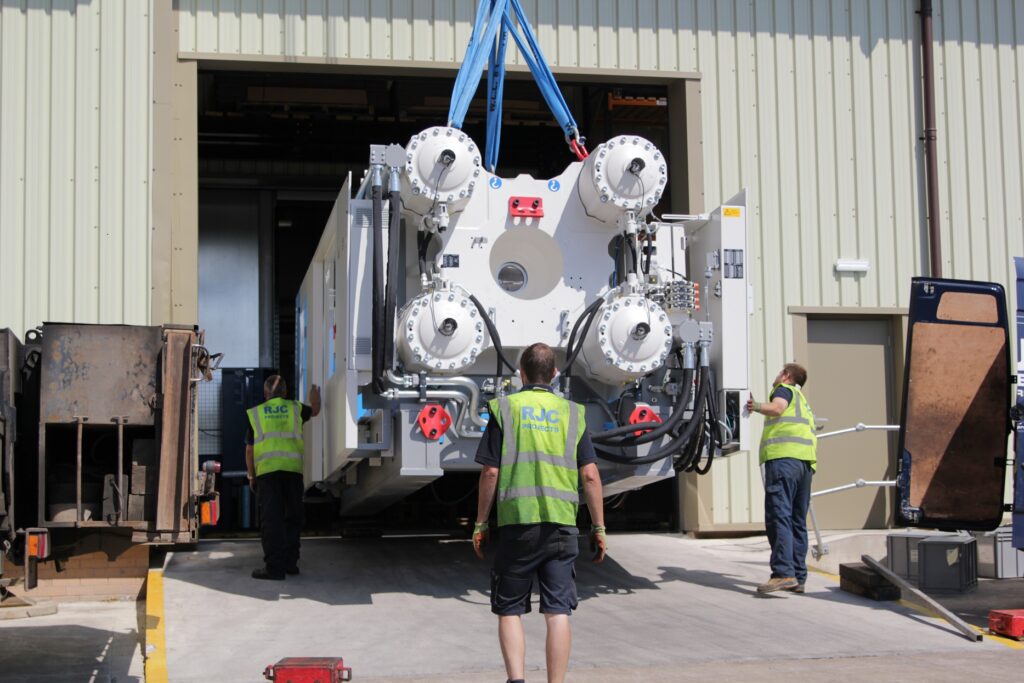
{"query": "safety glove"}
pixel 480 533
pixel 598 543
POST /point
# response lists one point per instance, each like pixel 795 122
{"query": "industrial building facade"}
pixel 813 106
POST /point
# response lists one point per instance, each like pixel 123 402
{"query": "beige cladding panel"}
pixel 75 131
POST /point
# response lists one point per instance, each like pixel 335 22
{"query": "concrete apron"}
pixel 398 608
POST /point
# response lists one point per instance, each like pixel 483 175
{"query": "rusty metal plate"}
pixel 178 439
pixel 953 435
pixel 99 372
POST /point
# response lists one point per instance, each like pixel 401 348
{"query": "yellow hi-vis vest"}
pixel 277 428
pixel 538 480
pixel 792 434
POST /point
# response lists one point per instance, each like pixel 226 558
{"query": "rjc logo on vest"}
pixel 274 410
pixel 549 416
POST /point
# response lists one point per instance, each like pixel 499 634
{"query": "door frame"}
pixel 897 319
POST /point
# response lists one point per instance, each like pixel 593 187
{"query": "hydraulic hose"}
pixel 676 443
pixel 657 429
pixel 495 338
pixel 391 291
pixel 714 436
pixel 377 325
pixel 628 254
pixel 586 319
pixel 422 245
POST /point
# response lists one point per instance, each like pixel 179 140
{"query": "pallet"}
pixel 859 579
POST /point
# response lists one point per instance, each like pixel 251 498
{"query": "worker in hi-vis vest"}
pixel 535 454
pixel 788 458
pixel 273 456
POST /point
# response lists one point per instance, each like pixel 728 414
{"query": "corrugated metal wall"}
pixel 811 104
pixel 74 161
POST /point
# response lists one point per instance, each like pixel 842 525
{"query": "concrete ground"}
pixel 97 642
pixel 661 608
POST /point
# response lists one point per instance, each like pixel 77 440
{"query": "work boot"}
pixel 799 588
pixel 266 574
pixel 778 583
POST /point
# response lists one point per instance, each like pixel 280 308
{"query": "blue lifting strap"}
pixel 487 44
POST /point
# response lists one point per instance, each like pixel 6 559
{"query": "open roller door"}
pixel 956 399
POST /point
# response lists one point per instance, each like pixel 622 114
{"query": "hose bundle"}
pixel 685 439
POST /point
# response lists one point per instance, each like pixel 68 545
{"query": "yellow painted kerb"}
pixel 156 648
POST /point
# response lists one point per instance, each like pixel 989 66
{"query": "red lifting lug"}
pixel 434 421
pixel 643 413
pixel 526 207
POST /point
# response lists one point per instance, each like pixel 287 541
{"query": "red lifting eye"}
pixel 526 207
pixel 433 421
pixel 643 413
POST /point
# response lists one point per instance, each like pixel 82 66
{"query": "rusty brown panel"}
pixel 965 307
pixel 956 412
pixel 175 431
pixel 99 372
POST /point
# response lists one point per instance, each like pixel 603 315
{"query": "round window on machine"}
pixel 512 277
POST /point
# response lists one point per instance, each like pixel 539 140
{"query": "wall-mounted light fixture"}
pixel 845 265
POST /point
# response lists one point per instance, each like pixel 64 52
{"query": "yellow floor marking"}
pixel 925 611
pixel 834 577
pixel 156 649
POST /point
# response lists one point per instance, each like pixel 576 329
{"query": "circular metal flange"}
pixel 442 164
pixel 440 332
pixel 631 337
pixel 627 173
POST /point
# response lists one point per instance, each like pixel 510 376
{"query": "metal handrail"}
pixel 819 549
pixel 860 427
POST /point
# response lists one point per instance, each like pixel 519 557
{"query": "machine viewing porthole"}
pixel 512 276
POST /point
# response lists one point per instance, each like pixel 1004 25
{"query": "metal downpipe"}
pixel 929 138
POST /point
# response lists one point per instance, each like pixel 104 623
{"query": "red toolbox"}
pixel 308 670
pixel 1007 622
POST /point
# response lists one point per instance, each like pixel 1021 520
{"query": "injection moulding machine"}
pixel 430 280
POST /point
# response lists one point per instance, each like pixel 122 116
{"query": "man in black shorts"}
pixel 534 453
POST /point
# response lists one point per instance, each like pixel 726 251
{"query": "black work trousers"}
pixel 279 495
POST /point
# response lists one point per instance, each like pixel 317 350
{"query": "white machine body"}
pixel 535 253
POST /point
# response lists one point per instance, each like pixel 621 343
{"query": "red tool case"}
pixel 1007 622
pixel 308 670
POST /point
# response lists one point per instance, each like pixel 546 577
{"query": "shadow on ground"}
pixel 58 653
pixel 353 571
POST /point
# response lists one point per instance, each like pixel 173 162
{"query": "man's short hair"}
pixel 538 363
pixel 796 372
pixel 275 387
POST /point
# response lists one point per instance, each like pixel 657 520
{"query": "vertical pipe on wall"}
pixel 929 138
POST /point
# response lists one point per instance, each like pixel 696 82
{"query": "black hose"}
pixel 676 443
pixel 391 291
pixel 715 436
pixel 422 246
pixel 656 429
pixel 377 329
pixel 588 315
pixel 630 265
pixel 708 437
pixel 495 339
